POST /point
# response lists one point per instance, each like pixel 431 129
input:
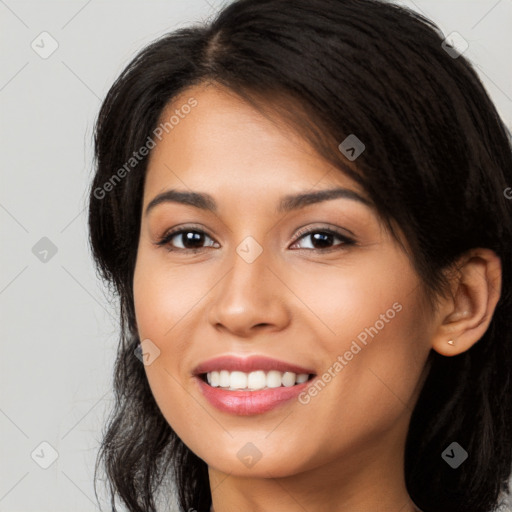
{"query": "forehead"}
pixel 223 142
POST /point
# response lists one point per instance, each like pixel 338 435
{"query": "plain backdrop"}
pixel 58 324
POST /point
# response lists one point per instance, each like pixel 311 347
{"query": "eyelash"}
pixel 346 241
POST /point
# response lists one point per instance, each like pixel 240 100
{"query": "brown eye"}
pixel 190 240
pixel 322 239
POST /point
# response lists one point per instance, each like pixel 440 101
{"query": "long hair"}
pixel 437 163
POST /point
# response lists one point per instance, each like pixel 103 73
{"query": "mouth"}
pixel 249 400
pixel 258 380
pixel 253 373
pixel 251 385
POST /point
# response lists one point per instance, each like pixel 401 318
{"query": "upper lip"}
pixel 248 364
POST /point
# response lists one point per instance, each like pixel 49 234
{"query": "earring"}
pixel 451 342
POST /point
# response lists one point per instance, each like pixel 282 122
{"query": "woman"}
pixel 303 209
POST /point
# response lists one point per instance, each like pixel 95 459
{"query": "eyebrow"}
pixel 288 203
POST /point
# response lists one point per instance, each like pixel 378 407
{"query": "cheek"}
pixel 348 297
pixel 165 295
pixel 157 310
pixel 373 342
pixel 166 298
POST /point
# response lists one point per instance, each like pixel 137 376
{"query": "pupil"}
pixel 321 237
pixel 193 236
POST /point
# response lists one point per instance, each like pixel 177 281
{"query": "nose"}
pixel 250 298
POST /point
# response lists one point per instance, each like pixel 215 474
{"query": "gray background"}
pixel 58 325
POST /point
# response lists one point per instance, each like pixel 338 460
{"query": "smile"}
pixel 253 381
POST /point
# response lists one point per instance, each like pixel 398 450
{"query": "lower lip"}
pixel 246 403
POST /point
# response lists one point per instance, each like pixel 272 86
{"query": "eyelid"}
pixel 186 227
pixel 326 228
pixel 336 231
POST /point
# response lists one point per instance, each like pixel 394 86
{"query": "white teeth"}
pixel 254 380
pixel 274 379
pixel 288 379
pixel 302 377
pixel 224 379
pixel 237 380
pixel 213 378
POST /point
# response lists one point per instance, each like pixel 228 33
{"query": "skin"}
pixel 344 450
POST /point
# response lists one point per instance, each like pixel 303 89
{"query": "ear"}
pixel 466 314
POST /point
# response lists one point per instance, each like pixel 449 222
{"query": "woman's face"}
pixel 241 281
